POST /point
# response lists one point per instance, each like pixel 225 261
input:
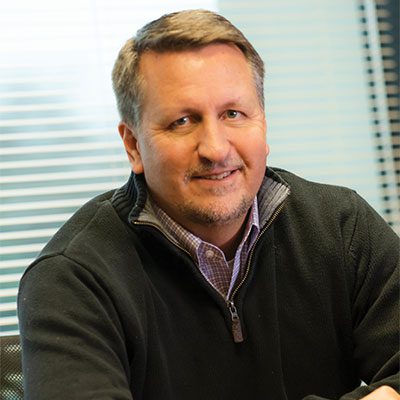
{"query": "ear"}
pixel 131 144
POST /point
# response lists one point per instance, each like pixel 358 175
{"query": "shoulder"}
pixel 82 225
pixel 319 201
pixel 91 238
pixel 304 189
pixel 335 211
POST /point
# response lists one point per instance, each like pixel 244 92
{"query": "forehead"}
pixel 191 73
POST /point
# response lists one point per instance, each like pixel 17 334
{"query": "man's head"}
pixel 179 31
pixel 198 132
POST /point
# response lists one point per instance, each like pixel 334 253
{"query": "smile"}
pixel 218 176
pixel 224 174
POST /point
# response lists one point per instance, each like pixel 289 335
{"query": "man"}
pixel 208 276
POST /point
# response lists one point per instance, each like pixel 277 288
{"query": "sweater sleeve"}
pixel 374 260
pixel 72 339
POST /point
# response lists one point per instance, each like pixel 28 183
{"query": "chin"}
pixel 216 214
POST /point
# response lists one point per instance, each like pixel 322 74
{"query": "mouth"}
pixel 217 176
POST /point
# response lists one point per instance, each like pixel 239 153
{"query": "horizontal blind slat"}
pixel 10 278
pixel 4 321
pixel 21 234
pixel 65 161
pixel 4 307
pixel 57 148
pixel 59 190
pixel 16 263
pixel 58 176
pixel 20 249
pixel 59 134
pixel 43 205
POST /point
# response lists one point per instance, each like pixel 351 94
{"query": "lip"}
pixel 217 175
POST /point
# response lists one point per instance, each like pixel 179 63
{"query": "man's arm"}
pixel 375 250
pixel 72 340
pixel 374 259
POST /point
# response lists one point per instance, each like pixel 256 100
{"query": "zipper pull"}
pixel 236 325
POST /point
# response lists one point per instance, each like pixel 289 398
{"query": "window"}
pixel 58 137
pixel 321 123
pixel 381 45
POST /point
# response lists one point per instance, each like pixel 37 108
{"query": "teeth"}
pixel 218 177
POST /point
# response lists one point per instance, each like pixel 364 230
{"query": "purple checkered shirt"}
pixel 219 272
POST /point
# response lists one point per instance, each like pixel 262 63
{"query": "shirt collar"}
pixel 192 243
pixel 271 195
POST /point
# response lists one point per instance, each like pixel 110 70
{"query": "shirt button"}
pixel 209 254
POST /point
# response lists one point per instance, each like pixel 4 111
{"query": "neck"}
pixel 226 237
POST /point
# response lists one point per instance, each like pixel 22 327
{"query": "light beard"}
pixel 207 166
pixel 214 215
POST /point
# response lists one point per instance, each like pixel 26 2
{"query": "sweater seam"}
pixel 67 247
pixel 353 234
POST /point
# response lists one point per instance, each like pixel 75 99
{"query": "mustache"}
pixel 207 166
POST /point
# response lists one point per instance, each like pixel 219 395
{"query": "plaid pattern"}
pixel 219 272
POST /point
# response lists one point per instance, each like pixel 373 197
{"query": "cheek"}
pixel 165 161
pixel 255 158
pixel 253 149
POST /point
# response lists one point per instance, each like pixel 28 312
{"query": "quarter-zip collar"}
pixel 270 198
pixel 273 192
pixel 131 200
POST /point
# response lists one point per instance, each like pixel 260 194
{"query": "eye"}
pixel 179 122
pixel 182 121
pixel 232 114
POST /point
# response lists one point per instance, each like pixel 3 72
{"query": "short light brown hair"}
pixel 178 31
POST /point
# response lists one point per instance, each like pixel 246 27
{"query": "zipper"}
pixel 236 324
pixel 237 331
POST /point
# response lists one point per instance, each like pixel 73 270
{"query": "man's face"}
pixel 201 145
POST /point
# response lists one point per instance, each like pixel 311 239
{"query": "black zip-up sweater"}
pixel 111 309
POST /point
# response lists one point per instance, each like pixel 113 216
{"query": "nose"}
pixel 213 143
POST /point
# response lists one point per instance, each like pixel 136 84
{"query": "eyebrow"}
pixel 192 110
pixel 233 103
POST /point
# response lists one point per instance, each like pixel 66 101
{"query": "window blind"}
pixel 59 145
pixel 381 46
pixel 58 140
pixel 317 90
